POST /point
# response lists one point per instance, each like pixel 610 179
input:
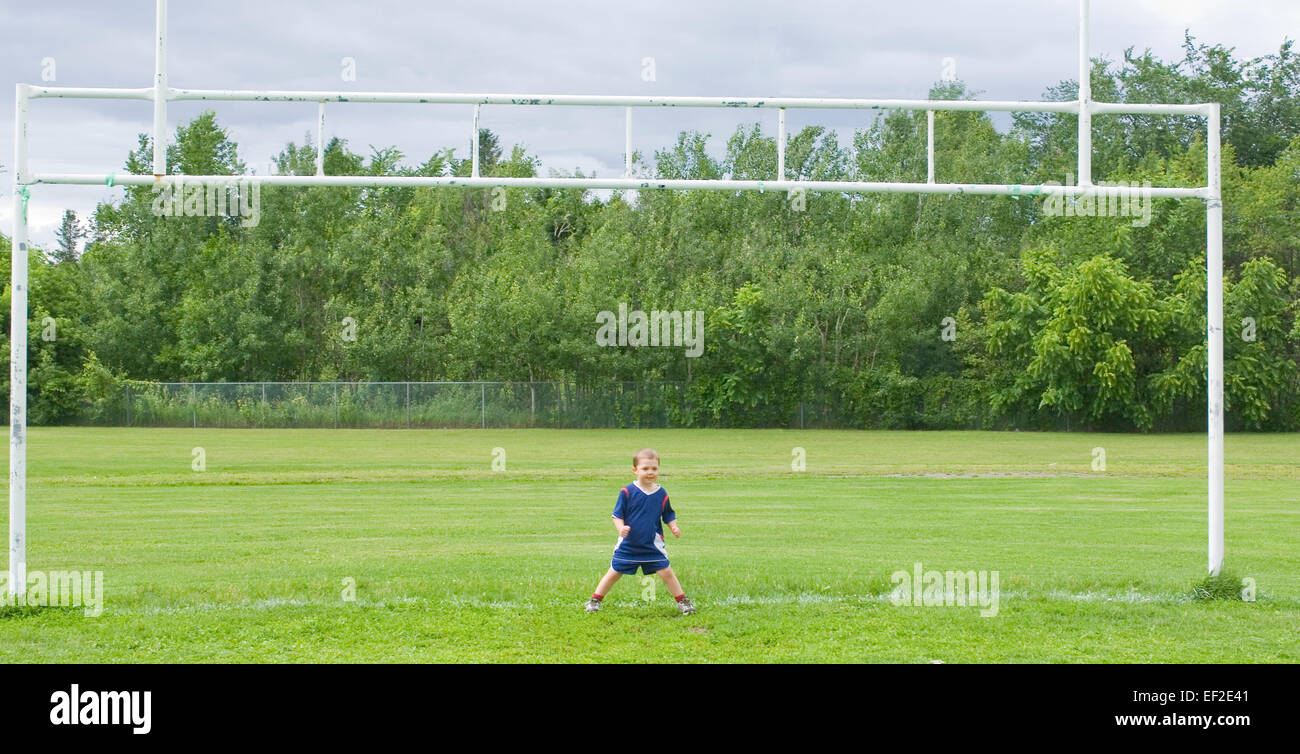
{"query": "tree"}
pixel 69 234
pixel 489 155
pixel 1085 341
pixel 758 353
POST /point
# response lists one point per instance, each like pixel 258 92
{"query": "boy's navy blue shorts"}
pixel 628 567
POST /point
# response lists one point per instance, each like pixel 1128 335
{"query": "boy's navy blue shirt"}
pixel 646 514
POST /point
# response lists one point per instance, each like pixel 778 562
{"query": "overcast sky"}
pixel 1007 49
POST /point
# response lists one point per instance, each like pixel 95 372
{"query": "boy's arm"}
pixel 622 527
pixel 670 518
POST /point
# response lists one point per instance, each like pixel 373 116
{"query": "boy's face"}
pixel 647 471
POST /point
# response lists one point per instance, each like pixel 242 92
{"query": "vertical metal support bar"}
pixel 320 139
pixel 627 149
pixel 18 356
pixel 483 404
pixel 160 92
pixel 1214 334
pixel 1085 99
pixel 929 146
pixel 780 144
pixel 473 145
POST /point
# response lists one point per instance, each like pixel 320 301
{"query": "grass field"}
pixel 251 559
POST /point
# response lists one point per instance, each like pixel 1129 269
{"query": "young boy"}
pixel 637 515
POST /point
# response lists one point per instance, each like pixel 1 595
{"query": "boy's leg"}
pixel 670 579
pixel 608 581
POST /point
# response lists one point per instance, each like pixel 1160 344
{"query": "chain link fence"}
pixel 397 405
pixel 939 403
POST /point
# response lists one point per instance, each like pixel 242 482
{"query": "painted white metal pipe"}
pixel 21 171
pixel 320 139
pixel 598 100
pixel 18 355
pixel 1214 334
pixel 160 92
pixel 627 145
pixel 780 144
pixel 582 100
pixel 83 92
pixel 473 145
pixel 858 187
pixel 1085 99
pixel 1112 108
pixel 929 146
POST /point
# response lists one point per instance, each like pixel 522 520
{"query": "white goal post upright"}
pixel 18 353
pixel 1214 335
pixel 1085 99
pixel 160 93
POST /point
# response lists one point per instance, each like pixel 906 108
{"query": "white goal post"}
pixel 160 94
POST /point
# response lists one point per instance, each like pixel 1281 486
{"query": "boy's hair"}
pixel 643 453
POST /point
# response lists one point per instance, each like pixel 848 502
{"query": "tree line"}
pixel 882 310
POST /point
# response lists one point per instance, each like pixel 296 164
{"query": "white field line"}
pixel 805 598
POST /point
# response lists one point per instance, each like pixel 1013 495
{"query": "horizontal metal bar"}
pixel 590 100
pixel 857 187
pixel 1107 108
pixel 647 101
pixel 74 92
pixel 827 103
pixel 554 99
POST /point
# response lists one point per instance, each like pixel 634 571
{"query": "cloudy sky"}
pixel 1005 49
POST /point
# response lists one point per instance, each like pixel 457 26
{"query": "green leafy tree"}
pixel 1083 340
pixel 69 235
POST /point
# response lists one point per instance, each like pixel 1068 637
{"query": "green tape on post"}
pixel 26 194
pixel 110 179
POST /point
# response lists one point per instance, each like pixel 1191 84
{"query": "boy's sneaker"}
pixel 685 606
pixel 593 605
